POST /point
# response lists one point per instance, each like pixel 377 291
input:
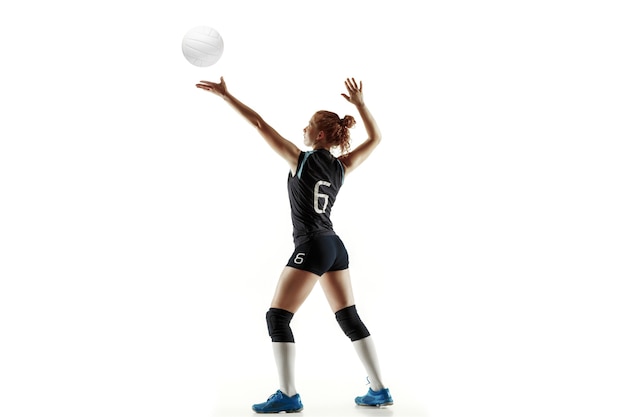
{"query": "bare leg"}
pixel 294 286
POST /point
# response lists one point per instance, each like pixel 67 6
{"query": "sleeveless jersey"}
pixel 312 193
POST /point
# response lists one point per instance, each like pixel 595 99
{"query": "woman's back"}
pixel 312 193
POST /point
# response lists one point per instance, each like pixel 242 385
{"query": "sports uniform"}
pixel 313 188
pixel 312 193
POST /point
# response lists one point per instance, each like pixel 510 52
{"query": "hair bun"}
pixel 348 121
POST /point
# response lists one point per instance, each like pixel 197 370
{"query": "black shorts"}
pixel 320 255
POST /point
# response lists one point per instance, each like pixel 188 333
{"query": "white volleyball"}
pixel 203 46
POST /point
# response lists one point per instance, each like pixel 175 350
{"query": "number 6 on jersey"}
pixel 317 195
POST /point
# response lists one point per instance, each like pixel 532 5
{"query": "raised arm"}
pixel 356 157
pixel 286 149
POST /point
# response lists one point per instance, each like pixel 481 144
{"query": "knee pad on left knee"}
pixel 278 325
pixel 351 323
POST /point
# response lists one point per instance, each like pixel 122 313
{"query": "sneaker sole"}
pixel 277 412
pixel 375 405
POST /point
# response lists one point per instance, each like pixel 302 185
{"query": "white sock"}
pixel 367 353
pixel 285 357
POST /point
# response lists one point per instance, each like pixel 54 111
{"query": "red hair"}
pixel 335 129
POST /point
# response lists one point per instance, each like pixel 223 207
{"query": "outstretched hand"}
pixel 215 88
pixel 355 92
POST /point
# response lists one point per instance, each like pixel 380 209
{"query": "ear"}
pixel 320 135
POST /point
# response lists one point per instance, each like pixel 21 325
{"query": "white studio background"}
pixel 143 224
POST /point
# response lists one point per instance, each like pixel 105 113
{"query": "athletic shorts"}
pixel 320 255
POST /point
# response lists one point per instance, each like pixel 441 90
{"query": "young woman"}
pixel 319 256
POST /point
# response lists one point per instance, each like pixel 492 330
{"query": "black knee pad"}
pixel 351 323
pixel 278 325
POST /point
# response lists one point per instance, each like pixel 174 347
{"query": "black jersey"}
pixel 312 193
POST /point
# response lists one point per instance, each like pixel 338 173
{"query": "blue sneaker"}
pixel 279 402
pixel 375 398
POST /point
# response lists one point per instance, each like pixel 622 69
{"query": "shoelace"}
pixel 274 395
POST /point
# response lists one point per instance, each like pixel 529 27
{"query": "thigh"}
pixel 294 286
pixel 337 287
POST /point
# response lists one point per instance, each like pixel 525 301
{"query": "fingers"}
pixel 352 86
pixel 210 86
pixel 206 85
pixel 355 93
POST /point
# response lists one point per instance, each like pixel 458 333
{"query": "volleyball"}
pixel 203 46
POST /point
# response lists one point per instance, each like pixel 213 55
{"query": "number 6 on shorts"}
pixel 299 258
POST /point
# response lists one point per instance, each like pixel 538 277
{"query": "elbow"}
pixel 376 135
pixel 258 123
pixel 261 126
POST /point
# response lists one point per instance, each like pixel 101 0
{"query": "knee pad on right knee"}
pixel 351 323
pixel 278 327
